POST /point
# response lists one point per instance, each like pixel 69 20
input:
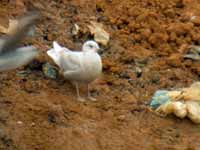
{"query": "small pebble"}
pixel 19 122
pixel 138 72
pixel 23 73
pixel 33 124
pixel 121 117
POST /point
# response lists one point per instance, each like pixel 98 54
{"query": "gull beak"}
pixel 100 51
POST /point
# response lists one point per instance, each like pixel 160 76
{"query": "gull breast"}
pixel 91 66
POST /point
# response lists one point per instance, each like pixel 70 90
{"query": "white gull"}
pixel 78 66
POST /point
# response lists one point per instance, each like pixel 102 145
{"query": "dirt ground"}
pixel 38 113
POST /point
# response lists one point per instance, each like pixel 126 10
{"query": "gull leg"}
pixel 89 95
pixel 78 95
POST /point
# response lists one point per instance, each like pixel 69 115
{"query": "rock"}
pixel 121 117
pixel 51 118
pixel 175 60
pixel 194 53
pixel 49 71
pixel 19 122
pixel 155 79
pixel 50 37
pixel 192 56
pixel 100 35
pixel 7 141
pixel 195 20
pixel 19 3
pixel 75 29
pixel 170 13
pixel 195 49
pixel 23 73
pixel 138 72
pixel 33 124
pixel 183 48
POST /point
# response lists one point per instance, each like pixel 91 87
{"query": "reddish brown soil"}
pixel 37 113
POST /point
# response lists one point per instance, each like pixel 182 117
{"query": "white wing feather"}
pixel 70 61
pixel 67 60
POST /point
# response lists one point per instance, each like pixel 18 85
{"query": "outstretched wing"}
pixel 9 43
pixel 17 58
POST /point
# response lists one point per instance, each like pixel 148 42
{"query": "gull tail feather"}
pixel 54 55
pixel 57 47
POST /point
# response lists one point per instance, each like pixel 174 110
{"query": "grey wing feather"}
pixel 17 58
pixel 9 43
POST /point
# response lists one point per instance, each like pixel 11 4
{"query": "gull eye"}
pixel 90 46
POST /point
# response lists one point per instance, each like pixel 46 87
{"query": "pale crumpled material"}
pixel 194 52
pixel 182 103
pixel 100 35
pixel 11 27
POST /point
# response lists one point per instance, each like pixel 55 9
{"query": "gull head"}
pixel 90 46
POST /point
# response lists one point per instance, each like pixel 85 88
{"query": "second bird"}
pixel 11 55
